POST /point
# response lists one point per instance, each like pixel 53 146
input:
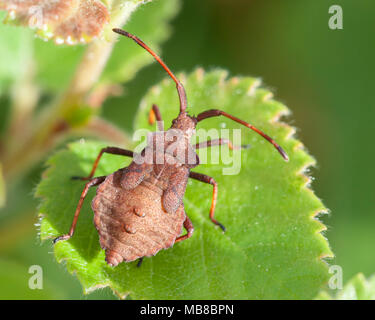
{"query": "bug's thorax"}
pixel 185 123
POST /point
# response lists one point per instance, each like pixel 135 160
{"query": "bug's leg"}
pixel 216 113
pixel 189 228
pixel 156 115
pixel 134 174
pixel 139 263
pixel 174 193
pixel 219 142
pixel 207 179
pixel 92 183
pixel 111 150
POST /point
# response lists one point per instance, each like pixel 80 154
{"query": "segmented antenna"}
pixel 216 113
pixel 183 100
pixel 180 87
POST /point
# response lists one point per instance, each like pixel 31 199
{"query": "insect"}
pixel 139 210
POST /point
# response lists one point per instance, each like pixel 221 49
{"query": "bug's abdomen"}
pixel 132 223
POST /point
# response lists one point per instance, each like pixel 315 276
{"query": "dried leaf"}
pixel 68 21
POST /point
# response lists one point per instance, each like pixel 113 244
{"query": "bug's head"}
pixel 185 123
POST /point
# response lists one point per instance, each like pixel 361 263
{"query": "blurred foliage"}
pixel 126 59
pixel 323 75
pixel 16 51
pixel 2 188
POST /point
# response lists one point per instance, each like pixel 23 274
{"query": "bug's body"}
pixel 139 209
pixel 131 222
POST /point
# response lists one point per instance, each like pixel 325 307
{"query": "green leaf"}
pixel 273 247
pixel 358 288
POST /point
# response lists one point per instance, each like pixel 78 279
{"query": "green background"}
pixel 324 76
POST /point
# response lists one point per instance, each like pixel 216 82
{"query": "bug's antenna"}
pixel 216 113
pixel 180 87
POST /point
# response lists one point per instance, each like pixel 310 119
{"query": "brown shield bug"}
pixel 139 209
